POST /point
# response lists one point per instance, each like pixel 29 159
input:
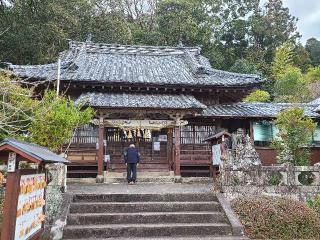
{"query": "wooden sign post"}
pixel 24 206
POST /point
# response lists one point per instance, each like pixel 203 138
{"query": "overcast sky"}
pixel 308 12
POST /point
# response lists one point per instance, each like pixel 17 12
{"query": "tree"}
pixel 111 28
pixel 55 120
pixel 313 74
pixel 313 47
pixel 282 61
pixel 270 27
pixel 36 31
pixel 16 106
pixel 301 58
pixel 291 86
pixel 244 66
pixel 258 96
pixel 178 21
pixel 294 137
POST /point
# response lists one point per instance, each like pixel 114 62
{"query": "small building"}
pixel 166 100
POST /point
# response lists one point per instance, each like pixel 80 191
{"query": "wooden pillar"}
pixel 170 148
pixel 177 151
pixel 10 206
pixel 100 152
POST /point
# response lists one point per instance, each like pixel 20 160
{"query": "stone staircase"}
pixel 142 177
pixel 148 216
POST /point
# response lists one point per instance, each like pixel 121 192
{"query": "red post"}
pixel 100 152
pixel 177 151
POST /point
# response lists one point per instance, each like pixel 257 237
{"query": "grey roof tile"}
pixel 315 101
pixel 125 100
pixel 256 110
pixel 41 153
pixel 136 65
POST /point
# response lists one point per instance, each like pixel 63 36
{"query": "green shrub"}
pixel 315 203
pixel 274 179
pixel 277 218
pixel 258 96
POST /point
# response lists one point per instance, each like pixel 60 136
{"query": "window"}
pixel 264 132
pixel 316 135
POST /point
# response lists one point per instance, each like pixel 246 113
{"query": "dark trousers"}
pixel 131 172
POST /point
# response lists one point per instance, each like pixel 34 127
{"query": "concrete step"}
pixel 172 197
pixel 146 217
pixel 134 207
pixel 174 238
pixel 146 230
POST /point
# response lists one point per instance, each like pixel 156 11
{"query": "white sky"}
pixel 308 12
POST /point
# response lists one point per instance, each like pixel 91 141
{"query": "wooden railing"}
pixel 195 153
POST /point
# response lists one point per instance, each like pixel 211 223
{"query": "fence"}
pixel 300 182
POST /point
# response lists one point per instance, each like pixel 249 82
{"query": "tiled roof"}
pixel 125 100
pixel 36 151
pixel 315 101
pixel 256 110
pixel 143 65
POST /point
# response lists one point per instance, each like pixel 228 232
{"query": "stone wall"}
pixel 284 180
pixel 242 173
pixel 56 187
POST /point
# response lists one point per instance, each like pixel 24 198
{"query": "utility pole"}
pixel 58 76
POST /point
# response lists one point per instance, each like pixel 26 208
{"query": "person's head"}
pixel 132 146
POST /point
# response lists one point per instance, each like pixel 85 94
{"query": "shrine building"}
pixel 166 100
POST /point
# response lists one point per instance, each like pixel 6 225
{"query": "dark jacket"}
pixel 131 155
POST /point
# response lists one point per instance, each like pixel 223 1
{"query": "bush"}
pixel 277 218
pixel 315 204
pixel 258 96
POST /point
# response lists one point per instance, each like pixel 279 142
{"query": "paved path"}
pixel 139 188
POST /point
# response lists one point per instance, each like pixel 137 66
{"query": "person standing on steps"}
pixel 132 158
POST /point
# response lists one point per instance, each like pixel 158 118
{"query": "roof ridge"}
pixel 105 48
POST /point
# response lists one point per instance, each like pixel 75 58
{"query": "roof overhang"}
pixel 127 101
pixel 31 152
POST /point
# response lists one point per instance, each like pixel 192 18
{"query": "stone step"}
pixel 144 179
pixel 146 217
pixel 173 238
pixel 172 197
pixel 146 230
pixel 140 174
pixel 134 207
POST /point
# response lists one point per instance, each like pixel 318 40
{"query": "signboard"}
pixel 156 146
pixel 30 208
pixel 163 138
pixel 12 162
pixel 106 158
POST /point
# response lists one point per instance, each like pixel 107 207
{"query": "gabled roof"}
pixel 256 110
pixel 36 151
pixel 217 136
pixel 126 100
pixel 143 65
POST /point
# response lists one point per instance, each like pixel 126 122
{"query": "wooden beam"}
pixel 177 151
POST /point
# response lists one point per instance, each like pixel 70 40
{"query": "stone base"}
pixel 100 179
